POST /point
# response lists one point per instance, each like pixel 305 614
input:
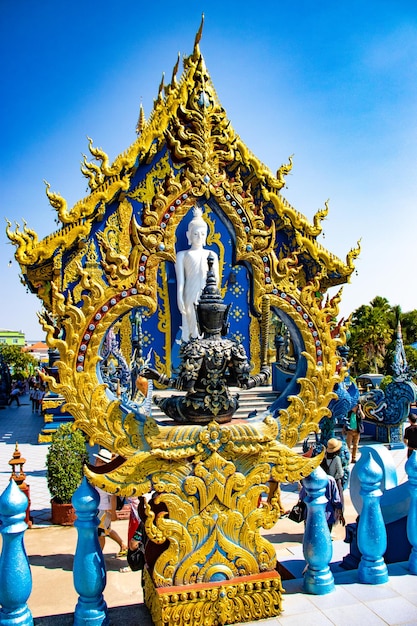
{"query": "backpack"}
pixel 345 458
pixel 344 455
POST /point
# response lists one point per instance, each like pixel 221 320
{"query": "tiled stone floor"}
pixel 391 604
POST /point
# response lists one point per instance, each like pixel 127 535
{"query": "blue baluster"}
pixel 15 574
pixel 317 543
pixel 411 469
pixel 372 534
pixel 89 568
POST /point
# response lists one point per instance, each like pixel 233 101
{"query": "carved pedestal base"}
pixel 242 599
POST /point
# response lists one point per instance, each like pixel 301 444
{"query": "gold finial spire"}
pixel 141 121
pixel 175 71
pixel 161 86
pixel 198 35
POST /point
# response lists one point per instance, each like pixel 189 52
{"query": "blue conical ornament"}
pixel 317 543
pixel 372 534
pixel 15 574
pixel 411 469
pixel 89 569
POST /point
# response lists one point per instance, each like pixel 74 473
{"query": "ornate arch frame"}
pixel 131 283
pixel 203 161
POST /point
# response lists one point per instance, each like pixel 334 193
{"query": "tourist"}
pixel 21 385
pixel 32 382
pixel 32 397
pixel 191 271
pixel 334 507
pixel 107 509
pixel 14 395
pixel 136 551
pixel 332 464
pixel 352 429
pixel 39 395
pixel 410 434
pixel 134 520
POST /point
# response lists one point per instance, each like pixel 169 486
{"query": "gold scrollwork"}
pixel 220 603
pixel 108 259
pixel 212 516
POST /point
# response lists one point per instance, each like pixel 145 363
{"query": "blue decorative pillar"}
pixel 317 543
pixel 89 569
pixel 15 574
pixel 372 534
pixel 411 469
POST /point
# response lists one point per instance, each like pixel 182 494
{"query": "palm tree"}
pixel 371 333
pixel 409 327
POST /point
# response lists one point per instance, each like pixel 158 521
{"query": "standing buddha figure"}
pixel 191 272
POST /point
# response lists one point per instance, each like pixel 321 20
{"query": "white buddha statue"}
pixel 191 270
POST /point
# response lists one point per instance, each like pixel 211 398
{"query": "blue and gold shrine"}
pixel 107 284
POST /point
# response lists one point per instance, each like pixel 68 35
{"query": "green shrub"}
pixel 64 463
pixel 387 380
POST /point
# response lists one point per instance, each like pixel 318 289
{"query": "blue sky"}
pixel 334 83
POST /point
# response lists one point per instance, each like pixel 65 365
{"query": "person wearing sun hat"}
pixel 332 464
pixel 104 455
pixel 333 445
pixel 107 508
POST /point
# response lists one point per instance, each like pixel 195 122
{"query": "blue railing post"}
pixel 317 543
pixel 15 574
pixel 411 469
pixel 89 569
pixel 372 534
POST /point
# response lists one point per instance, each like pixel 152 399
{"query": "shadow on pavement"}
pixel 53 561
pixel 286 537
pixel 114 564
pixel 65 562
pixel 132 614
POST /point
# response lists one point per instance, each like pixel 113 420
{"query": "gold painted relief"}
pixel 212 503
pixel 208 478
pixel 71 271
pixel 213 238
pixel 164 319
pixel 126 338
pixel 145 190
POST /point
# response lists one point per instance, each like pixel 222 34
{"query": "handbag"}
pixel 120 502
pixel 136 558
pixel 298 511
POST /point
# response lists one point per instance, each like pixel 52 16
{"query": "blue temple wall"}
pixel 161 331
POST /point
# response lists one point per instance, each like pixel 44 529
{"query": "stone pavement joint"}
pixel 51 548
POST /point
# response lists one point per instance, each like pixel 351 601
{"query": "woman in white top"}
pixel 107 509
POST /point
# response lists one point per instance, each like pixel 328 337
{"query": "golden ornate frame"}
pixel 103 263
